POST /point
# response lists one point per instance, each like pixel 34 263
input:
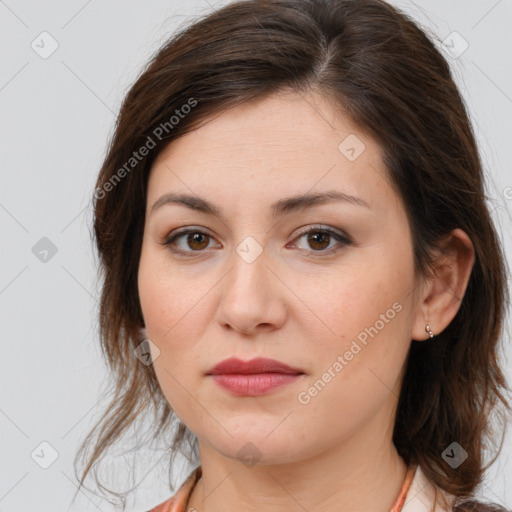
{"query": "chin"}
pixel 258 447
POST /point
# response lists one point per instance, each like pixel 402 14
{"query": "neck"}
pixel 351 477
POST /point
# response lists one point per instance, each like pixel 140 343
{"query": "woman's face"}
pixel 337 305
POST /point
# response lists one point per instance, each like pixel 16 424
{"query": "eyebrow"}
pixel 279 208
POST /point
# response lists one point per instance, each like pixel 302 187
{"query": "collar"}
pixel 424 496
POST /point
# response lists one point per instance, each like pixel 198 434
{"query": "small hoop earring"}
pixel 429 331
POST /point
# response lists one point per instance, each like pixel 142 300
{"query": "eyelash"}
pixel 341 238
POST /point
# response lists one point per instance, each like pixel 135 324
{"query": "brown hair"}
pixel 388 76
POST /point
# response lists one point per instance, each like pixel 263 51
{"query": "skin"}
pixel 298 302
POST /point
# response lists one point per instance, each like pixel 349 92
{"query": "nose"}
pixel 252 296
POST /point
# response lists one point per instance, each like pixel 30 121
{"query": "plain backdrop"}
pixel 65 67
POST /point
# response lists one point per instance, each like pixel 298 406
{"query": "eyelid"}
pixel 319 227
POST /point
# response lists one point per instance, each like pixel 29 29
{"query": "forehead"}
pixel 276 146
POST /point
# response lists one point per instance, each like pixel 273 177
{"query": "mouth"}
pixel 256 377
pixel 254 366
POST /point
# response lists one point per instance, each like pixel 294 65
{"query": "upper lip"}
pixel 257 365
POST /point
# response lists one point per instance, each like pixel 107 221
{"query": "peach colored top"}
pixel 416 495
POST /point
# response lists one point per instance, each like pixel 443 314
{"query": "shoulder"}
pixel 473 505
pixel 424 496
pixel 178 502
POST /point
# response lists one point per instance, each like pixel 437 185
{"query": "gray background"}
pixel 56 115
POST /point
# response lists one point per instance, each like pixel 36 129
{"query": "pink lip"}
pixel 255 377
pixel 257 365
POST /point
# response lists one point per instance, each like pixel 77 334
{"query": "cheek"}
pixel 173 323
pixel 174 316
pixel 358 374
pixel 170 330
pixel 365 318
pixel 358 302
pixel 170 298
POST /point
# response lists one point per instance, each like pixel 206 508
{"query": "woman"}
pixel 299 264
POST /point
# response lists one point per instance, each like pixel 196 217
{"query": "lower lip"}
pixel 255 384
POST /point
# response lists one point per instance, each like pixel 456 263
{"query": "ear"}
pixel 441 295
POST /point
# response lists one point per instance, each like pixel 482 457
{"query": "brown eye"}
pixel 196 241
pixel 188 241
pixel 319 239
